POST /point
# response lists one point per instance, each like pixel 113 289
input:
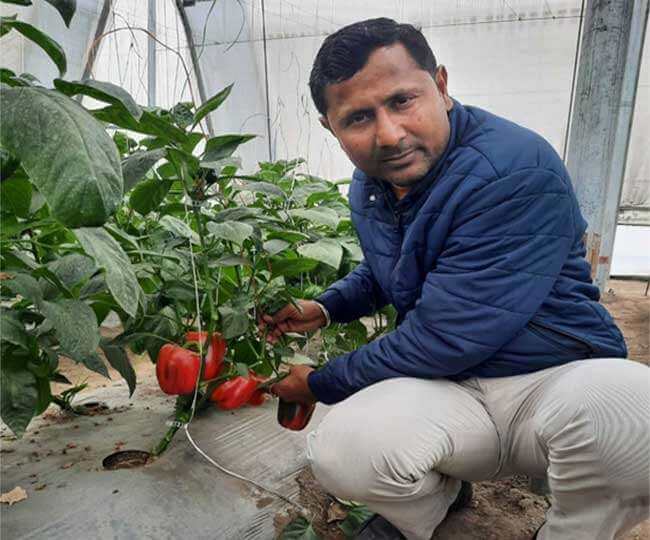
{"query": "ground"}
pixel 501 510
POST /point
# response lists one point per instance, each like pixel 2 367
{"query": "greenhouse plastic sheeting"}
pixel 180 495
pixel 514 58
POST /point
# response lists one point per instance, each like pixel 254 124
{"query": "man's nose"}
pixel 389 131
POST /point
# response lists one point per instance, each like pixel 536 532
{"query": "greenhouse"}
pixel 324 270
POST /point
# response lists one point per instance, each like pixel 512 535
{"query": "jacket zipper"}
pixel 537 324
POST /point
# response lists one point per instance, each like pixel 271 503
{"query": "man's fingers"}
pixel 286 312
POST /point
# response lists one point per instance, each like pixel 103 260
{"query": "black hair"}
pixel 346 51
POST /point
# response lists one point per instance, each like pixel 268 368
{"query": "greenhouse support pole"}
pixel 96 43
pixel 608 72
pixel 151 55
pixel 195 61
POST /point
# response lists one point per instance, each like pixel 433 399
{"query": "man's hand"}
pixel 294 387
pixel 304 318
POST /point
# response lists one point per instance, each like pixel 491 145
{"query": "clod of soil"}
pixel 126 459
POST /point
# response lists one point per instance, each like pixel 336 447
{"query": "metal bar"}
pixel 630 84
pixel 195 61
pixel 151 55
pixel 94 49
pixel 608 70
pixel 266 84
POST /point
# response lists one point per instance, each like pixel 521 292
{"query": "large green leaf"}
pixel 213 103
pixel 179 228
pixel 232 231
pixel 12 330
pixel 18 397
pixel 292 267
pixel 299 529
pixel 65 152
pixel 259 187
pixel 16 196
pixel 320 215
pixel 119 360
pixel 148 195
pixel 45 42
pixel 223 146
pixel 66 8
pixel 137 165
pixel 234 321
pixel 72 269
pixel 120 276
pixel 75 326
pixel 325 250
pixel 275 246
pixel 26 286
pixel 101 91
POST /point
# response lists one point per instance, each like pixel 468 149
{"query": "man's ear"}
pixel 325 123
pixel 440 78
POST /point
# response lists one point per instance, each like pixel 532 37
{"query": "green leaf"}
pixel 234 322
pixel 120 276
pixel 290 236
pixel 357 515
pixel 75 326
pixel 101 91
pixel 275 246
pixel 259 187
pixel 45 42
pixel 12 330
pixel 94 363
pixel 72 269
pixel 148 195
pixel 138 164
pixel 236 214
pixel 213 103
pixel 18 397
pixel 353 248
pixel 16 196
pixel 179 228
pixel 232 231
pixel 299 529
pixel 66 153
pixel 182 114
pixel 223 146
pixel 26 286
pixel 66 8
pixel 292 267
pixel 232 260
pixel 320 215
pixel 325 250
pixel 119 360
pixel 163 128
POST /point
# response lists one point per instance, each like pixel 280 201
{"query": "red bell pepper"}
pixel 177 368
pixel 216 352
pixel 294 416
pixel 259 396
pixel 234 393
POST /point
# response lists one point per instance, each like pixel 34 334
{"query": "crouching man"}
pixel 503 361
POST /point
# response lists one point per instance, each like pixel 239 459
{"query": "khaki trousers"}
pixel 401 446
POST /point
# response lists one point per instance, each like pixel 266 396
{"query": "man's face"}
pixel 390 118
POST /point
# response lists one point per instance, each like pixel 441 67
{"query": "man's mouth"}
pixel 399 157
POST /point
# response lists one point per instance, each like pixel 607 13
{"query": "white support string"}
pixel 304 511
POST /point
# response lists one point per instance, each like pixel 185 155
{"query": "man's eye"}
pixel 402 101
pixel 357 118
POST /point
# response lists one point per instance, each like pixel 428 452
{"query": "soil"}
pixel 500 510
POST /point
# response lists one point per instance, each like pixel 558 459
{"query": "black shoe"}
pixel 377 527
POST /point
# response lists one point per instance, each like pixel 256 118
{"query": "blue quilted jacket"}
pixel 483 260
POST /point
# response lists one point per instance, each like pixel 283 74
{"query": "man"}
pixel 503 361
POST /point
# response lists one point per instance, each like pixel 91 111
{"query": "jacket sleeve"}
pixel 508 242
pixel 356 295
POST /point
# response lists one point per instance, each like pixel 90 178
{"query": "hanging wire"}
pixel 266 82
pixel 573 83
